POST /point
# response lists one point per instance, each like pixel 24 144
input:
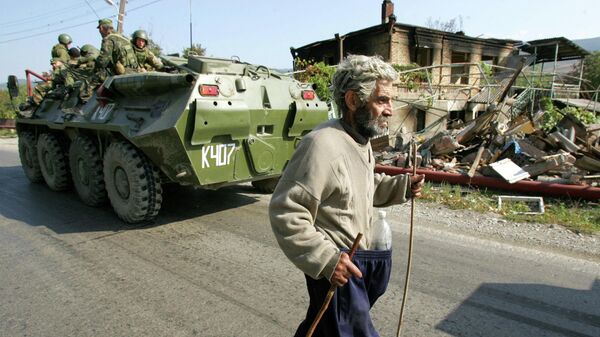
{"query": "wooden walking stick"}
pixel 410 243
pixel 331 291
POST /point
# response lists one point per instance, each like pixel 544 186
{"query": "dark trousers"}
pixel 348 312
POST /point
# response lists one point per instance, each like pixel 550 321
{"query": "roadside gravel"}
pixel 490 226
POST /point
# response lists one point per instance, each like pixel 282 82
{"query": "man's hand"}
pixel 416 184
pixel 344 269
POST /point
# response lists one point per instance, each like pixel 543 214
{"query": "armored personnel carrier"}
pixel 208 123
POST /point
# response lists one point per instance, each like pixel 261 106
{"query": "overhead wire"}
pixel 72 26
pixel 48 25
pixel 45 14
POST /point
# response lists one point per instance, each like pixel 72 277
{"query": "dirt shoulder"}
pixel 491 226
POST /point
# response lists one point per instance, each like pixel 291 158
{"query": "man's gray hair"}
pixel 359 73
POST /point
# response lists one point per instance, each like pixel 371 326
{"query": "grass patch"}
pixel 577 216
pixel 8 133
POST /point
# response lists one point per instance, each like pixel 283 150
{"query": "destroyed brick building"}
pixel 403 44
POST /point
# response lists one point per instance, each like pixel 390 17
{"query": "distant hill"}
pixel 592 44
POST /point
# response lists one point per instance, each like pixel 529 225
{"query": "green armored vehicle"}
pixel 208 123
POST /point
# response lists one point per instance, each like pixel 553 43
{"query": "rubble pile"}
pixel 514 149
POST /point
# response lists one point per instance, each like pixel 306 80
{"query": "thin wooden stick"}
pixel 331 291
pixel 410 243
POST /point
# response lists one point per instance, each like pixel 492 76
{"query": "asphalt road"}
pixel 209 266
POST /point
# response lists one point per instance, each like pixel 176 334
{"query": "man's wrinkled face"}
pixel 372 117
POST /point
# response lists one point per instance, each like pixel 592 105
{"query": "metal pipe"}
pixel 28 74
pixel 554 71
pixel 580 75
pixel 525 186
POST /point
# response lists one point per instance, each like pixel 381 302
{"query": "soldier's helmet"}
pixel 140 34
pixel 65 39
pixel 86 48
pixel 74 52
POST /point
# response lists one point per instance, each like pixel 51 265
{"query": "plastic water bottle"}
pixel 381 238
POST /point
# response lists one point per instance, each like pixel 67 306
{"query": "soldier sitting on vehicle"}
pixel 88 57
pixel 74 55
pixel 61 49
pixel 146 59
pixel 116 54
pixel 59 79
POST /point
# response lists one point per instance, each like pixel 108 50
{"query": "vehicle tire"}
pixel 53 162
pixel 132 183
pixel 87 171
pixel 29 157
pixel 266 185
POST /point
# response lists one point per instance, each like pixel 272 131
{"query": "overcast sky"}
pixel 262 32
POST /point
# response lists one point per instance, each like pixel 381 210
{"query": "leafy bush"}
pixel 412 79
pixel 553 115
pixel 591 69
pixel 196 49
pixel 487 69
pixel 7 109
pixel 318 73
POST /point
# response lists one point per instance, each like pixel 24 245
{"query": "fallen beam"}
pixel 523 186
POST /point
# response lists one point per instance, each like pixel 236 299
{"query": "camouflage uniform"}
pixel 146 59
pixel 60 52
pixel 88 57
pixel 60 78
pixel 116 56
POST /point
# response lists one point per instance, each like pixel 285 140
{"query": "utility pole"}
pixel 121 16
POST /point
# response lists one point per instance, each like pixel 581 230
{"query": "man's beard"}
pixel 368 126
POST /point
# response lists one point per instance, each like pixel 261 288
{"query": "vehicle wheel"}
pixel 29 158
pixel 132 183
pixel 53 162
pixel 266 185
pixel 86 169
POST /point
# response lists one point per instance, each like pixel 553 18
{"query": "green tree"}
pixel 7 109
pixel 317 73
pixel 154 47
pixel 196 49
pixel 591 69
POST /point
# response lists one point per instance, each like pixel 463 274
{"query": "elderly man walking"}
pixel 326 197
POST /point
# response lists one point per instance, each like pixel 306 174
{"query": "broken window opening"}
pixel 424 57
pixel 456 118
pixel 460 74
pixel 420 116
